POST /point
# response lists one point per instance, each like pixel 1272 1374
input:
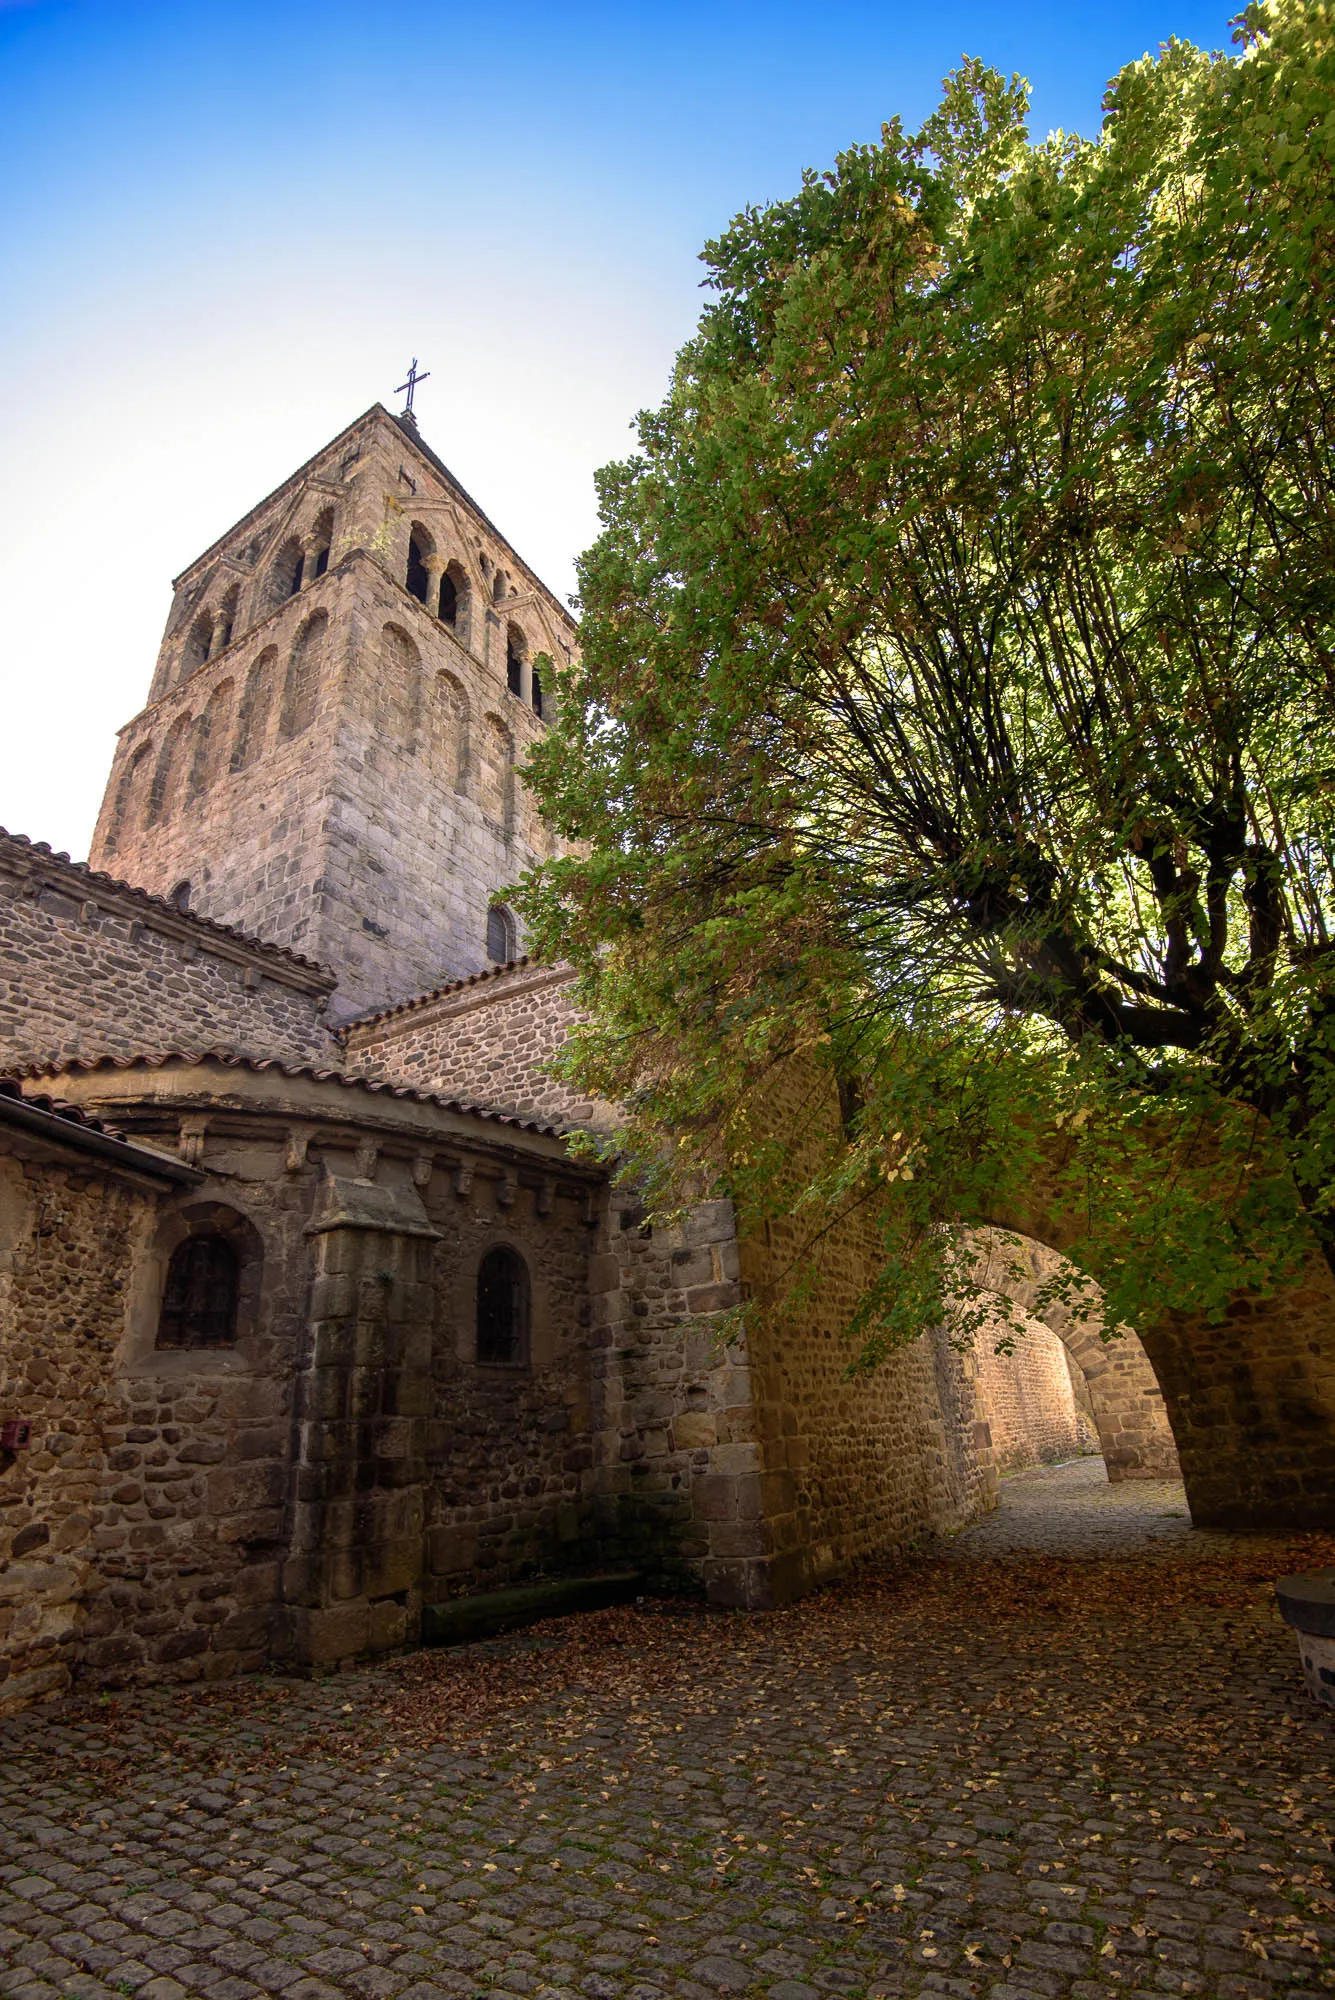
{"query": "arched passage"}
pixel 1127 1403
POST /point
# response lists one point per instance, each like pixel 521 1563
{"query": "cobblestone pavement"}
pixel 1067 1754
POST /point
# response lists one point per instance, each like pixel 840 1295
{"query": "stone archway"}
pixel 1128 1405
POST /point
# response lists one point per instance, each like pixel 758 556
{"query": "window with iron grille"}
pixel 200 1299
pixel 502 1308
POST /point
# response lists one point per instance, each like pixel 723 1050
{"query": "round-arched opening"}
pixel 503 1298
pixel 198 644
pixel 1111 1381
pixel 288 572
pixel 421 548
pixel 516 652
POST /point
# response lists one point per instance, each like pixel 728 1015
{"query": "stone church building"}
pixel 310 1320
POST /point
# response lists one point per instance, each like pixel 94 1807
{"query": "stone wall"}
pixel 855 1468
pixel 738 1454
pixel 67 1249
pixel 91 968
pixel 490 1039
pixel 155 1485
pixel 1027 1399
pixel 678 1454
pixel 303 1493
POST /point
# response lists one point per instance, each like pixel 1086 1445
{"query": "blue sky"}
pixel 226 229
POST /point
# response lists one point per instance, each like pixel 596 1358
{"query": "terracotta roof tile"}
pixel 58 1108
pixel 230 1059
pixel 436 993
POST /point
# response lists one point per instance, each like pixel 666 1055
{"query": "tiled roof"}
pixel 230 1059
pixel 74 1113
pixel 95 877
pixel 436 993
pixel 71 1127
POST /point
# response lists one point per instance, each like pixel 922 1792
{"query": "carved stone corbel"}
pixel 190 1139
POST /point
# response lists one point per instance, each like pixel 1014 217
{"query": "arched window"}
pixel 420 549
pixel 180 896
pixel 514 660
pixel 200 1300
pixel 288 570
pixel 322 536
pixel 537 694
pixel 227 618
pixel 501 934
pixel 198 644
pixel 455 605
pixel 502 1308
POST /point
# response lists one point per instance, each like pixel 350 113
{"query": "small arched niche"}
pixel 504 1309
pixel 301 686
pixel 212 733
pixel 162 795
pixel 449 731
pixel 131 795
pixel 252 722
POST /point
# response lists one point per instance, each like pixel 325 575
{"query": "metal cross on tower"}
pixel 411 384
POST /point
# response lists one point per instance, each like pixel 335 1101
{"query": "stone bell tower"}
pixel 347 684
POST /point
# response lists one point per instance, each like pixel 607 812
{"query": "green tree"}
pixel 956 717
